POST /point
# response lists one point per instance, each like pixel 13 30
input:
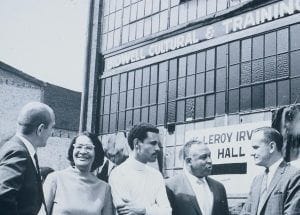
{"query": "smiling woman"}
pixel 71 190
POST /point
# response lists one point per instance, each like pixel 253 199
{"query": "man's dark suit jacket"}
pixel 20 187
pixel 183 200
pixel 283 194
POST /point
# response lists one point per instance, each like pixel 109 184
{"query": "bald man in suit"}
pixel 20 181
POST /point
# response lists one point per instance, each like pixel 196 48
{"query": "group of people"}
pixel 134 188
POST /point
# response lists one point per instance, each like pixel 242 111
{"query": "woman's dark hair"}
pixel 99 153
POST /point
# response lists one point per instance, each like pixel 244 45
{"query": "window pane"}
pixel 181 87
pixel 234 76
pixel 115 84
pixel 136 116
pixel 190 85
pixel 155 23
pixel 270 95
pixel 121 121
pixel 191 65
pixel 202 8
pixel 282 41
pixel 123 82
pixel 153 94
pixel 245 101
pixel 160 114
pixel 107 86
pixel 189 109
pixel 283 92
pixel 129 98
pixel 182 67
pixel 140 10
pixel 182 13
pixel 132 31
pixel 246 73
pixel 101 105
pixel 209 106
pixel 210 81
pixel 257 70
pixel 199 108
pixel 270 68
pixel 234 52
pixel 122 101
pixel 153 74
pixel 210 59
pixel 174 16
pixel 161 92
pixel 163 18
pixel 211 6
pixel 282 65
pixel 111 22
pixel 192 10
pixel 172 90
pixel 146 76
pixel 258 47
pixel 145 95
pixel 114 103
pixel 246 50
pixel 140 29
pixel 201 62
pixel 125 34
pixel 137 97
pixel 295 63
pixel 163 71
pixel 221 56
pixel 295 90
pixel 295 39
pixel 102 84
pixel 258 96
pixel 112 122
pixel 138 78
pixel 173 69
pixel 200 83
pixel 171 111
pixel 126 15
pixel 105 124
pixel 133 12
pixel 128 119
pixel 152 115
pixel 106 104
pixel 221 79
pixel 233 101
pixel 148 7
pixel 147 24
pixel 270 46
pixel 220 103
pixel 180 110
pixel 130 80
pixel 118 21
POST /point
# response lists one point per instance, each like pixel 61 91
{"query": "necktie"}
pixel 263 190
pixel 39 181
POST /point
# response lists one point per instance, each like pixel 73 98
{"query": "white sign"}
pixel 231 145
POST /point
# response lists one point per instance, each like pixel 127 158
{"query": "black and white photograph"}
pixel 149 107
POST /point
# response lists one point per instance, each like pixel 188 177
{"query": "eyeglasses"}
pixel 87 148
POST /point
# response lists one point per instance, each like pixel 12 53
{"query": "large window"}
pixel 124 21
pixel 253 73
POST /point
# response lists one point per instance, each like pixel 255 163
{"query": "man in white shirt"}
pixel 137 188
pixel 20 181
pixel 277 189
pixel 193 192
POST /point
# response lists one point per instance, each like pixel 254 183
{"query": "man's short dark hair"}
pixel 140 131
pixel 187 146
pixel 99 153
pixel 271 134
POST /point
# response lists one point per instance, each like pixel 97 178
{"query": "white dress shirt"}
pixel 202 191
pixel 29 147
pixel 296 163
pixel 137 182
pixel 272 170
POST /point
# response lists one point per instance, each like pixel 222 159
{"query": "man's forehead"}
pixel 199 149
pixel 153 135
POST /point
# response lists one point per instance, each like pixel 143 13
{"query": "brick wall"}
pixel 14 94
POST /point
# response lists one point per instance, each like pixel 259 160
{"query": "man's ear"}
pixel 188 160
pixel 40 129
pixel 136 143
pixel 273 147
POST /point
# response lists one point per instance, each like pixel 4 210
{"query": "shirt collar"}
pixel 137 165
pixel 29 146
pixel 193 178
